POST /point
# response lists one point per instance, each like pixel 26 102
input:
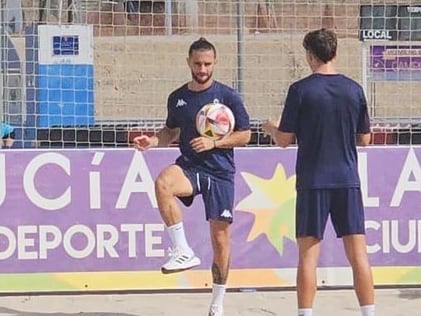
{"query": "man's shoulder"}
pixel 302 82
pixel 223 87
pixel 351 81
pixel 312 78
pixel 180 90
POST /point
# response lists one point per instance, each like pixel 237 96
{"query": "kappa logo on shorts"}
pixel 226 214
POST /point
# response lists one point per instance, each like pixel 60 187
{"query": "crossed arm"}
pixel 163 138
pixel 284 139
pixel 166 136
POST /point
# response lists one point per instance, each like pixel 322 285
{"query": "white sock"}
pixel 218 293
pixel 177 236
pixel 305 312
pixel 367 310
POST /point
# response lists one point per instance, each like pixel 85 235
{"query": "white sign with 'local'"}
pixel 376 34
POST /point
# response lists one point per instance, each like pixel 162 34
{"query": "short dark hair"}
pixel 322 44
pixel 202 44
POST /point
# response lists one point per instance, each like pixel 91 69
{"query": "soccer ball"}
pixel 215 121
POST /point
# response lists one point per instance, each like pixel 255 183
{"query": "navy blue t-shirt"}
pixel 183 106
pixel 326 112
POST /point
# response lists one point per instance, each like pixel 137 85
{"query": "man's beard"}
pixel 201 81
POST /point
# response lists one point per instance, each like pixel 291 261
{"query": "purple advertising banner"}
pixel 95 210
pixel 395 62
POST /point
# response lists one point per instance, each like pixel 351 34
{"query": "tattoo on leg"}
pixel 219 275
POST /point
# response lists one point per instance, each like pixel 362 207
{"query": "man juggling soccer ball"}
pixel 199 118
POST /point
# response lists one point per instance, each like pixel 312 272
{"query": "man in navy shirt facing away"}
pixel 204 167
pixel 326 113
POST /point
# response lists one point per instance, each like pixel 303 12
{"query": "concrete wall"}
pixel 135 74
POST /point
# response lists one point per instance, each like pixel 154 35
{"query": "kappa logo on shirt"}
pixel 226 214
pixel 180 103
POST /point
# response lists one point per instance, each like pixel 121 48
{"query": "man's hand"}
pixel 200 144
pixel 143 142
pixel 282 139
pixel 269 127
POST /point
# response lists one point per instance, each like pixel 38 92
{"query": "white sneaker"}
pixel 216 310
pixel 180 260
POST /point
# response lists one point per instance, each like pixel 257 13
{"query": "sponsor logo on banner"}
pixel 395 63
pixel 95 211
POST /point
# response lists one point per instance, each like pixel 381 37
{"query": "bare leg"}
pixel 356 252
pixel 221 244
pixel 309 250
pixel 171 183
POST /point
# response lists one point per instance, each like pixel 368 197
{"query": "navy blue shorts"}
pixel 217 194
pixel 345 207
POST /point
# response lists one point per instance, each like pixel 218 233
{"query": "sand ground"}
pixel 390 302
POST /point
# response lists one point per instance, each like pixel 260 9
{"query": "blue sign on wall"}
pixel 66 45
pixel 65 91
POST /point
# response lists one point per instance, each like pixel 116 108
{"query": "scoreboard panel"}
pixel 390 23
pixel 409 23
